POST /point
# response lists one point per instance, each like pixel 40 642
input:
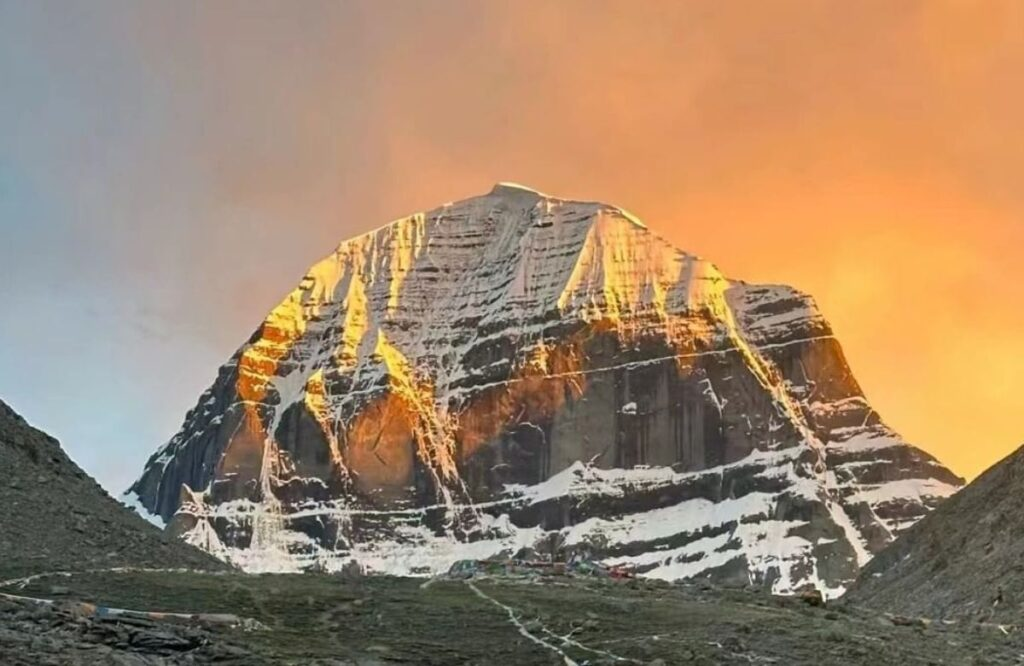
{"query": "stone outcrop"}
pixel 40 634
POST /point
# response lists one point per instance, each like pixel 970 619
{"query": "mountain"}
pixel 962 561
pixel 56 518
pixel 516 374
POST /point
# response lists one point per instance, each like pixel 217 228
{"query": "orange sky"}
pixel 870 153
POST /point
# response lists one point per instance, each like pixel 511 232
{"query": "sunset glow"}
pixel 870 154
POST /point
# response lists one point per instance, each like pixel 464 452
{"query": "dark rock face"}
pixel 515 373
pixel 56 518
pixel 963 561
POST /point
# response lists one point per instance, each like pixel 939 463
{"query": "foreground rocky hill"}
pixel 54 517
pixel 965 560
pixel 520 374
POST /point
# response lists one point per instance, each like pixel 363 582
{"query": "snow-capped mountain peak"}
pixel 517 372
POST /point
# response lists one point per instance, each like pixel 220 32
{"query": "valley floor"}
pixel 331 620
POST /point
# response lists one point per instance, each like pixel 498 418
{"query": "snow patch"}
pixel 131 500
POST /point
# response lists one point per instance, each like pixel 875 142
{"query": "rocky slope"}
pixel 520 374
pixel 965 560
pixel 34 634
pixel 55 518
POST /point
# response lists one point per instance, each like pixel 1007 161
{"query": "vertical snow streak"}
pixel 320 408
pixel 434 431
pixel 268 522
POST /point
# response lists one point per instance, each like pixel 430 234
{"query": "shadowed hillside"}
pixel 55 517
pixel 966 559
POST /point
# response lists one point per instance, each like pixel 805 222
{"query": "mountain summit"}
pixel 516 374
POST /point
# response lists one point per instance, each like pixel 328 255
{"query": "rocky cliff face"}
pixel 515 373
